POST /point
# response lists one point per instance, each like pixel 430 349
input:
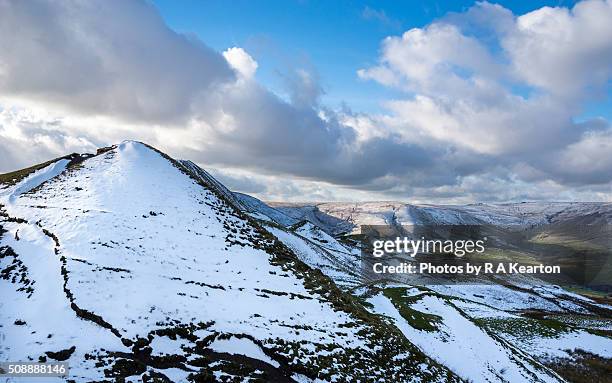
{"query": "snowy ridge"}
pixel 311 213
pixel 143 272
pixel 34 180
pixel 262 211
pixel 397 213
pixel 211 182
pixel 321 251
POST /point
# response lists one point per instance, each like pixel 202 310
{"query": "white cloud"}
pixel 591 152
pixel 508 88
pixel 241 61
pixel 112 58
pixel 425 60
pixel 27 138
pixel 567 52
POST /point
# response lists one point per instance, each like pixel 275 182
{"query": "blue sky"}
pixel 333 38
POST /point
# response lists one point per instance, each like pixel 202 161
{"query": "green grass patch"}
pixel 416 319
pixel 525 327
pixel 584 367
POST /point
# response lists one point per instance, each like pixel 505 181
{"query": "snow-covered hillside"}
pixel 129 265
pixel 524 214
pixel 261 210
pixel 311 213
pixel 514 330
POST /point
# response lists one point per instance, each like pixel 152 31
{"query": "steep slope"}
pixel 311 213
pixel 339 261
pixel 515 330
pixel 262 211
pixel 483 333
pixel 512 331
pixel 130 265
pixel 211 182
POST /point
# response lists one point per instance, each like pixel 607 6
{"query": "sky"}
pixel 332 38
pixel 417 101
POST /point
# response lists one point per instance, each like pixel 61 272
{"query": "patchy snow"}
pixel 321 251
pixel 480 311
pixel 510 214
pixel 132 225
pixel 164 345
pixel 50 324
pixel 264 212
pixel 33 180
pixel 498 296
pixel 559 344
pixel 138 229
pixel 462 346
pixel 311 213
pixel 174 374
pixel 146 248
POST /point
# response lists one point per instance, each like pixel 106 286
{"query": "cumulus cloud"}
pixel 304 87
pixel 241 61
pixel 424 59
pixel 246 125
pixel 506 87
pixel 566 52
pixel 114 58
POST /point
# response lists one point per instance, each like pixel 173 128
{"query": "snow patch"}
pixel 242 346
